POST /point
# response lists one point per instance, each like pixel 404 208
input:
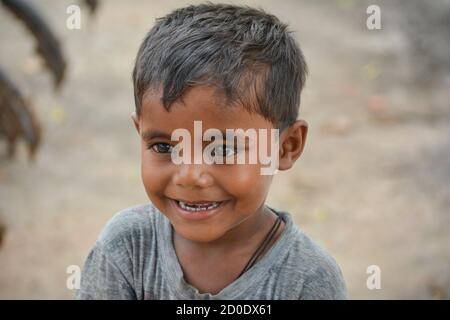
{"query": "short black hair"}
pixel 248 54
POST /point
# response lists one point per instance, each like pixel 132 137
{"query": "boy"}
pixel 207 233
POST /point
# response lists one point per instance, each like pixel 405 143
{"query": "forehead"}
pixel 203 103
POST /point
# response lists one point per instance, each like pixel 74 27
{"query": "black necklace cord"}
pixel 266 242
pixel 262 246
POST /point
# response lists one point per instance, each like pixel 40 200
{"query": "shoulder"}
pixel 110 269
pixel 317 271
pixel 129 224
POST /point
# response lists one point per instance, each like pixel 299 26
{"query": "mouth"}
pixel 197 210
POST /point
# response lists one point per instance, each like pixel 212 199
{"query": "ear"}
pixel 135 119
pixel 292 143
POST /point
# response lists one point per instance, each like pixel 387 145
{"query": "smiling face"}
pixel 204 202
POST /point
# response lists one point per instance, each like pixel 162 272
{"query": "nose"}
pixel 193 175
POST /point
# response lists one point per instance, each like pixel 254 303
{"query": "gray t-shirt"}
pixel 134 258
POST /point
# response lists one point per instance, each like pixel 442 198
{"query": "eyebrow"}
pixel 152 134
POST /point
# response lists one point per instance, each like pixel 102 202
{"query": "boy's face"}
pixel 239 190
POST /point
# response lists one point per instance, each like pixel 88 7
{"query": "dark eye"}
pixel 161 148
pixel 223 150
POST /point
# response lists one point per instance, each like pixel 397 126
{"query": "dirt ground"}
pixel 372 186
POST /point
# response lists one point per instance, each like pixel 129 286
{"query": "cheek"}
pixel 155 175
pixel 246 183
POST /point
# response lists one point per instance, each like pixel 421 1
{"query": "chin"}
pixel 198 234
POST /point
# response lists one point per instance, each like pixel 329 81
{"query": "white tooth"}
pixel 188 207
pixel 213 205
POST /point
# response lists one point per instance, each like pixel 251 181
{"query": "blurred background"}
pixel 372 186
